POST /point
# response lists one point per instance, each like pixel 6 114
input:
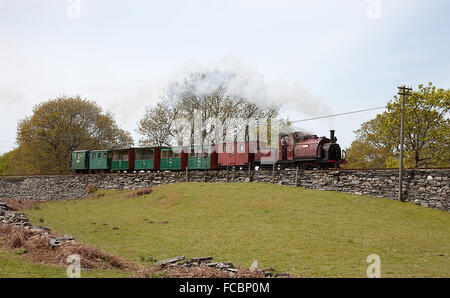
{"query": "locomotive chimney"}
pixel 332 136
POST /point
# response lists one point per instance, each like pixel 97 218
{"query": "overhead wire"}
pixel 340 114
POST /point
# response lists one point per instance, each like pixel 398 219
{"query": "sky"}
pixel 337 55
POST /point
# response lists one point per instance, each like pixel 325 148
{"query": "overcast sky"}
pixel 348 55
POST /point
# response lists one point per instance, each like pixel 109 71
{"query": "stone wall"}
pixel 429 188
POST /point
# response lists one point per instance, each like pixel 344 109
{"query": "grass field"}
pixel 303 232
pixel 14 266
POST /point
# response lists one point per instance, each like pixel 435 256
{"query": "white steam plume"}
pixel 245 82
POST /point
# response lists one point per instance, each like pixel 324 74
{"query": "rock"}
pixel 199 260
pixel 55 242
pixel 282 275
pixel 221 265
pixel 254 266
pixel 169 261
pixel 40 230
pixel 3 206
pixel 429 178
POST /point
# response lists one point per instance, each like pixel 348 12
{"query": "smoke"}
pixel 291 129
pixel 242 81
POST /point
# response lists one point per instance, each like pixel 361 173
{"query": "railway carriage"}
pixel 122 160
pixel 80 161
pixel 202 157
pixel 235 154
pixel 147 158
pixel 173 158
pixel 99 161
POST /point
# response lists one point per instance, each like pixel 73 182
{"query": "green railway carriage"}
pixel 202 158
pixel 147 158
pixel 99 160
pixel 122 160
pixel 173 158
pixel 80 161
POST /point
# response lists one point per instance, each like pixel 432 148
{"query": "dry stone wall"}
pixel 428 188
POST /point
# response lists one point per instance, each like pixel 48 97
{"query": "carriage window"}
pixel 164 154
pixel 192 152
pixel 176 155
pixel 105 156
pixel 242 148
pixel 93 155
pixel 99 156
pixel 116 156
pixel 224 148
pixel 148 154
pixel 139 155
pixel 125 155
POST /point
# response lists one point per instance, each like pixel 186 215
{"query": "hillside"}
pixel 303 232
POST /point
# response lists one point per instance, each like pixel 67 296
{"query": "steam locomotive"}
pixel 295 149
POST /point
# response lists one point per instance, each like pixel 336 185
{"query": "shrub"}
pixel 91 188
pixel 159 274
pixel 22 251
pixel 140 192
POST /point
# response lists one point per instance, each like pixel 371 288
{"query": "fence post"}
pixel 273 173
pixel 227 174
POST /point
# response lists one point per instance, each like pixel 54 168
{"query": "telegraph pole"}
pixel 403 91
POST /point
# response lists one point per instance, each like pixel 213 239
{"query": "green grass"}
pixel 298 231
pixel 15 266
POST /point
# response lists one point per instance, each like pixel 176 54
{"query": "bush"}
pixel 91 188
pixel 159 274
pixel 140 192
pixel 21 251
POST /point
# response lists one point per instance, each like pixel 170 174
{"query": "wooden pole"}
pixel 227 174
pixel 403 92
pixel 206 171
pixel 273 173
pixel 187 175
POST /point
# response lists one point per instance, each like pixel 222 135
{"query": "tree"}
pixel 6 163
pixel 156 125
pixel 211 112
pixel 60 126
pixel 427 133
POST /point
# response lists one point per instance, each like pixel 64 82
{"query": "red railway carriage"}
pixel 235 154
pixel 264 154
